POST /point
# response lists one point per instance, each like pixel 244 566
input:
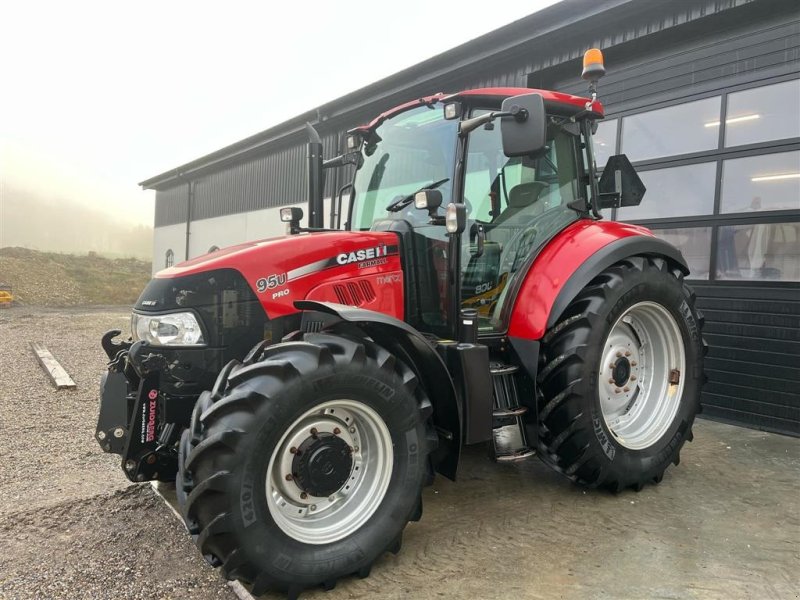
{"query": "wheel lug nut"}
pixel 628 353
pixel 314 432
pixel 611 380
pixel 355 448
pixel 633 363
pixel 633 377
pixel 352 430
pixel 292 450
pixel 619 354
pixel 617 391
pixel 313 507
pixel 303 495
pixel 289 477
pixel 626 389
pixel 336 431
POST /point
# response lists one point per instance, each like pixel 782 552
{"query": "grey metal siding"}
pixel 171 205
pixel 705 60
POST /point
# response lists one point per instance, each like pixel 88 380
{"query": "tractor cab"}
pixel 511 204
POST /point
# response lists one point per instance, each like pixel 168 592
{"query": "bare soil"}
pixel 52 279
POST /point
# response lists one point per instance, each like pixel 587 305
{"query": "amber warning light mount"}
pixel 593 69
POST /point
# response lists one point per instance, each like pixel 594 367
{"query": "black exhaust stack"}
pixel 315 179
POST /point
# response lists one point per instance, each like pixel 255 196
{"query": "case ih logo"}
pixel 346 258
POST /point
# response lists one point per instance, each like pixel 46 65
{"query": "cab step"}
pixel 510 439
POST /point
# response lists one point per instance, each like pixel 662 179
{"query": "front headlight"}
pixel 171 329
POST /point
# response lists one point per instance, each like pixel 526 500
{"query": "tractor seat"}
pixel 521 197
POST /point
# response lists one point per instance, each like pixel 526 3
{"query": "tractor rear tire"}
pixel 267 464
pixel 621 375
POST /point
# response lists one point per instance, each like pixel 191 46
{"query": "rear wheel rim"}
pixel 295 498
pixel 641 375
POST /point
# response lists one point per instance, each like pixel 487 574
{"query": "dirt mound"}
pixel 50 279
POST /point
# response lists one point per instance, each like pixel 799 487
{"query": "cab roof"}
pixel 555 102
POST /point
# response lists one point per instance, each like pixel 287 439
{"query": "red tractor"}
pixel 302 390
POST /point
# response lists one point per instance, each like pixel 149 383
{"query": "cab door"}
pixel 514 206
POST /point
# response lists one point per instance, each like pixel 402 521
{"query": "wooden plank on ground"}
pixel 54 370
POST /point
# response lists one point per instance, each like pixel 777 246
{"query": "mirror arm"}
pixel 349 158
pixel 465 127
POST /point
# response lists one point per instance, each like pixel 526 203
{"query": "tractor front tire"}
pixel 305 463
pixel 621 375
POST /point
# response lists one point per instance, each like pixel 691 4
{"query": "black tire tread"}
pixel 213 535
pixel 564 436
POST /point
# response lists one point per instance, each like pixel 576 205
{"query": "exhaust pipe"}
pixel 315 179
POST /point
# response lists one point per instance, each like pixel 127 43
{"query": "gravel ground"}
pixel 724 524
pixel 71 525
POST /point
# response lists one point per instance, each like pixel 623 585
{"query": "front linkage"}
pixel 133 420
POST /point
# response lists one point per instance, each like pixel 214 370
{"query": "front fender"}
pixel 569 262
pixel 410 345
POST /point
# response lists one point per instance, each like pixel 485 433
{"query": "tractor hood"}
pixel 337 266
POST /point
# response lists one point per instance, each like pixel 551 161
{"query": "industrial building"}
pixel 702 95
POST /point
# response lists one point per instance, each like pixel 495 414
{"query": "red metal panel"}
pixel 554 266
pixel 285 269
pixel 379 292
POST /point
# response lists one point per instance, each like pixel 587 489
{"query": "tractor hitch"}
pixel 134 420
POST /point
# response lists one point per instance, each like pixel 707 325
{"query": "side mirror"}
pixel 525 132
pixel 620 185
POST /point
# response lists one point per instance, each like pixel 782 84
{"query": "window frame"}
pixel 716 219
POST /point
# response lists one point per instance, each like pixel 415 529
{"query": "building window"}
pixel 758 183
pixel 763 114
pixel 761 251
pixel 605 142
pixel 170 258
pixel 680 129
pixel 695 245
pixel 213 249
pixel 675 192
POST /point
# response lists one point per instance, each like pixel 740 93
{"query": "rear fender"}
pixel 409 344
pixel 569 262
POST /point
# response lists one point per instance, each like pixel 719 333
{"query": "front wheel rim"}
pixel 641 375
pixel 361 444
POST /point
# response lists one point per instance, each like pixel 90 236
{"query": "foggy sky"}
pixel 100 95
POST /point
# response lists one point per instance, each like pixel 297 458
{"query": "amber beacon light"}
pixel 593 67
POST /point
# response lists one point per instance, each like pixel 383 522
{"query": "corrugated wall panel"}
pixel 699 61
pixel 752 365
pixel 171 205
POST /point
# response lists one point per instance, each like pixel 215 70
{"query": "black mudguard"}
pixel 638 245
pixel 402 339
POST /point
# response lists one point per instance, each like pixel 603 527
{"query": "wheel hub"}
pixel 322 464
pixel 329 471
pixel 637 397
pixel 621 371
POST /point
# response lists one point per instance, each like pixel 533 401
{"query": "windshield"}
pixel 416 149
